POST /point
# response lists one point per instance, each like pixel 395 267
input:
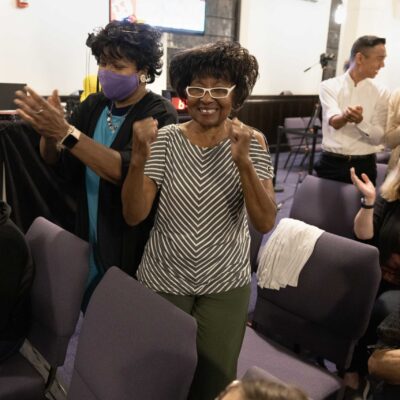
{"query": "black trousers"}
pixel 338 168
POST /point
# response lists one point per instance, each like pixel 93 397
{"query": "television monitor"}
pixel 186 16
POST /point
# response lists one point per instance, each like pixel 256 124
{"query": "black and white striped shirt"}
pixel 200 241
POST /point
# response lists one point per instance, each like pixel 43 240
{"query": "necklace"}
pixel 114 127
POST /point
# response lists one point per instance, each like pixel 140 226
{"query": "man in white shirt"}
pixel 354 114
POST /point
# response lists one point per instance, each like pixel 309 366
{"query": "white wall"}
pixel 374 17
pixel 44 45
pixel 286 36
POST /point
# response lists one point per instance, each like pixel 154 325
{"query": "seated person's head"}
pixel 260 390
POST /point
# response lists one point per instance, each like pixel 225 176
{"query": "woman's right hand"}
pixel 144 134
pixel 364 185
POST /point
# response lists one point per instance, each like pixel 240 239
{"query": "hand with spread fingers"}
pixel 240 136
pixel 45 116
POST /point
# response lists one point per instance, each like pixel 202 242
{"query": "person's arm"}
pixel 392 134
pixel 139 191
pixel 385 364
pixel 374 129
pixel 364 220
pixel 258 194
pixel 332 112
pixel 47 120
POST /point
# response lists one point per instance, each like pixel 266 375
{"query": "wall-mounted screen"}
pixel 186 16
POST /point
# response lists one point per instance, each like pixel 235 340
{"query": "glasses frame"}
pixel 208 90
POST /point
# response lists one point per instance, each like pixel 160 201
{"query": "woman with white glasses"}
pixel 211 173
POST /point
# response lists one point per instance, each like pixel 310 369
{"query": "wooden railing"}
pixel 266 113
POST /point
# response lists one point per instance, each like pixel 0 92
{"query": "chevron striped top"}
pixel 200 240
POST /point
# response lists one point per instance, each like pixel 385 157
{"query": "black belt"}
pixel 349 157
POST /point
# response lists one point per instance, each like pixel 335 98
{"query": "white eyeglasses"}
pixel 215 92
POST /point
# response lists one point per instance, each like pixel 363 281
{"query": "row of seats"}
pixel 325 315
pixel 130 336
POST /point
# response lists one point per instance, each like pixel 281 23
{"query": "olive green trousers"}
pixel 221 323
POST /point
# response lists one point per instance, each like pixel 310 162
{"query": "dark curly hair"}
pixel 140 43
pixel 221 60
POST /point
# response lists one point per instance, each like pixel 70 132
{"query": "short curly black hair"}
pixel 222 60
pixel 136 42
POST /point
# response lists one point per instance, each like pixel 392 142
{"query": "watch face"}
pixel 69 141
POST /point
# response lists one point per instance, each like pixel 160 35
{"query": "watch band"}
pixel 367 206
pixel 71 138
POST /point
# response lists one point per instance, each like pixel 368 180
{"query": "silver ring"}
pixel 38 111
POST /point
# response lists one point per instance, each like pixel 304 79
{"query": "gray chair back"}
pixel 134 344
pixel 329 310
pixel 61 269
pixel 327 204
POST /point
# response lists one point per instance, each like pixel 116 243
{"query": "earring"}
pixel 143 78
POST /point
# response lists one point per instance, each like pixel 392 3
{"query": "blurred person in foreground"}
pixel 212 173
pixel 16 276
pixel 260 390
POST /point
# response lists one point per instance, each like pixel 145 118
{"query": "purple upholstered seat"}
pixel 324 316
pixel 328 204
pixel 61 269
pixel 134 344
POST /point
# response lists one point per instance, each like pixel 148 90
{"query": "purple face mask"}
pixel 117 86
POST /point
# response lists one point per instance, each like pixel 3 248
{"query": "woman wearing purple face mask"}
pixel 93 148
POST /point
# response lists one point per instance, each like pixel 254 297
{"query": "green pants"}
pixel 221 322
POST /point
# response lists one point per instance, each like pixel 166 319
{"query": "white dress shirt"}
pixel 353 139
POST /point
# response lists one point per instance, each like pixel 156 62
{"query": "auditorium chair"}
pixel 327 204
pixel 320 319
pixel 134 344
pixel 61 269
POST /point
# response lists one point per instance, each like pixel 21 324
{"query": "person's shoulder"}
pixel 334 82
pixel 378 87
pixel 155 99
pixel 161 107
pixel 395 95
pixel 94 99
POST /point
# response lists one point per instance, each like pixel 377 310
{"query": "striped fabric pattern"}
pixel 200 240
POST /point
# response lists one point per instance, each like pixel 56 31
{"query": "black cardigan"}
pixel 16 275
pixel 117 243
pixel 386 228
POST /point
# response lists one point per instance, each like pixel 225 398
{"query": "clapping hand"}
pixel 364 185
pixel 353 114
pixel 46 116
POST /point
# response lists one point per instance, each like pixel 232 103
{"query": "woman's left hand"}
pixel 240 136
pixel 46 116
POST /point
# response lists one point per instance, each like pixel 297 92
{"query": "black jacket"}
pixel 16 275
pixel 117 243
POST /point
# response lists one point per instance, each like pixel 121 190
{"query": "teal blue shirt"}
pixel 104 136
